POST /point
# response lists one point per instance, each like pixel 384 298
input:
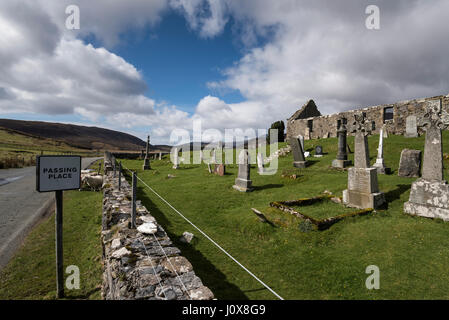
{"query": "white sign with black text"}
pixel 55 173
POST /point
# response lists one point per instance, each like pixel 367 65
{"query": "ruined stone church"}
pixel 309 122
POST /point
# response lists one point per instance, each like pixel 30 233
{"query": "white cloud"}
pixel 310 49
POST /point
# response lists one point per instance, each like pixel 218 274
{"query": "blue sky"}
pixel 160 66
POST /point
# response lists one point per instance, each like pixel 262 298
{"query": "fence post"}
pixel 133 206
pixel 119 175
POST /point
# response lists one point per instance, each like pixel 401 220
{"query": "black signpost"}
pixel 58 173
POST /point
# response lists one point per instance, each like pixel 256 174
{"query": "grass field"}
pixel 411 252
pixel 31 274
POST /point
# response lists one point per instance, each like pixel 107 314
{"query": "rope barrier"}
pixel 210 239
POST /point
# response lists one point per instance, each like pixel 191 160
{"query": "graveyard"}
pixel 296 260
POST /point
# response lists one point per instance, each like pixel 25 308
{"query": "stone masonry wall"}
pixel 325 126
pixel 137 265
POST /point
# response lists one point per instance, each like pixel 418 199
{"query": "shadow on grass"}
pixel 84 296
pixel 395 194
pixel 208 273
pixel 267 186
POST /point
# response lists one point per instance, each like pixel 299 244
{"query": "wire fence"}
pixel 206 236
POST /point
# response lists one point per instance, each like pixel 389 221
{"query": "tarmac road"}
pixel 21 207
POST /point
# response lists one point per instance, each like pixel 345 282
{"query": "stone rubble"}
pixel 139 265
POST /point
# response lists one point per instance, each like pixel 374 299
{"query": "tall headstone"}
pixel 363 189
pixel 146 161
pixel 301 140
pixel 342 153
pixel 260 163
pixel 411 127
pixel 175 158
pixel 160 155
pixel 380 163
pixel 243 182
pixel 299 160
pixel 429 195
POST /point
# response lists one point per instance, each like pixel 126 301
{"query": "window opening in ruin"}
pixel 310 125
pixel 388 113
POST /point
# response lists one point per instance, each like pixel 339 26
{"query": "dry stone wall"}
pixel 138 265
pixel 326 126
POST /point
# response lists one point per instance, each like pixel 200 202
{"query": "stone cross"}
pixel 243 183
pixel 146 161
pixel 362 129
pixel 429 195
pixel 433 122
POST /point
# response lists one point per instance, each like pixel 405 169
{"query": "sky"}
pixel 157 66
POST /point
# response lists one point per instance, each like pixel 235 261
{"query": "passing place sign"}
pixel 55 173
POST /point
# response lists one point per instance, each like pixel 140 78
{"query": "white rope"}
pixel 210 239
pixel 177 275
pixel 154 270
pixel 165 254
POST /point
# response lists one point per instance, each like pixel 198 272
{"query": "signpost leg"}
pixel 133 209
pixel 59 252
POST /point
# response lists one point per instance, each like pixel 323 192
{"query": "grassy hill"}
pixel 76 136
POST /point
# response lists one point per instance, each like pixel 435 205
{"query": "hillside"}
pixel 77 136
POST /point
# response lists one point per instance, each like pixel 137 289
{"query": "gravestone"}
pixel 146 161
pixel 175 158
pixel 318 152
pixel 301 140
pixel 299 160
pixel 342 154
pixel 220 169
pixel 243 183
pixel 411 127
pixel 160 155
pixel 260 163
pixel 380 164
pixel 363 189
pixel 410 164
pixel 429 195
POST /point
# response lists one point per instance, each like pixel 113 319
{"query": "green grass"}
pixel 411 252
pixel 323 209
pixel 31 273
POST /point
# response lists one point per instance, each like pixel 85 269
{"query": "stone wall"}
pixel 326 126
pixel 137 265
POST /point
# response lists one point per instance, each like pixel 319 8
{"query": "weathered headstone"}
pixel 299 160
pixel 301 140
pixel 410 164
pixel 146 161
pixel 220 169
pixel 160 155
pixel 318 152
pixel 429 195
pixel 411 127
pixel 363 189
pixel 380 164
pixel 260 163
pixel 342 154
pixel 243 183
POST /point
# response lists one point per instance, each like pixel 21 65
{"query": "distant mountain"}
pixel 78 136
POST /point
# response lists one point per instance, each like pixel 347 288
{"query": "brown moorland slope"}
pixel 75 135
